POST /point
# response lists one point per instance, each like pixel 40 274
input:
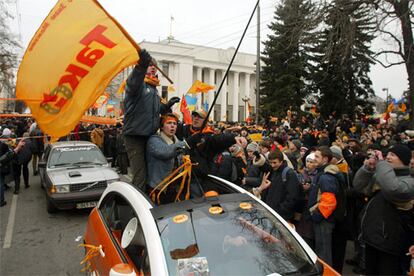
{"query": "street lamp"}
pixel 245 99
pixel 386 99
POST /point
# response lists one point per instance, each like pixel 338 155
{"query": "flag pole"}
pixel 228 68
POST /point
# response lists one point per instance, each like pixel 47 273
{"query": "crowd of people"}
pixel 334 179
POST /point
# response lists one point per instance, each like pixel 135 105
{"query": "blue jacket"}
pixel 143 105
pixel 325 181
pixel 161 158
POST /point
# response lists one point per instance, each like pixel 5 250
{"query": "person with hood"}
pixel 253 176
pixel 323 202
pixel 143 107
pixel 388 219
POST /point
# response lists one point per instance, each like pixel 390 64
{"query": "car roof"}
pixel 72 144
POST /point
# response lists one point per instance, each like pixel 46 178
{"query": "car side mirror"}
pixel 41 164
pixel 122 270
pixel 109 159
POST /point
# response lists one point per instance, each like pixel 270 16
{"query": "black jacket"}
pixel 204 147
pixel 142 105
pixel 253 176
pixel 6 155
pixel 283 197
pixel 387 228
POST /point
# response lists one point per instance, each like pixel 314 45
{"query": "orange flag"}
pixel 199 86
pixel 69 62
pixel 186 112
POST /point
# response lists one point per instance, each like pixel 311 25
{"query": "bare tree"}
pixel 400 13
pixel 8 55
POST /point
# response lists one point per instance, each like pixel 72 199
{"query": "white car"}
pixel 232 233
pixel 74 174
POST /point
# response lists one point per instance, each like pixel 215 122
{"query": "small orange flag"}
pixel 199 86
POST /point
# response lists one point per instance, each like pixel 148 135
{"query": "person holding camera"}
pixel 143 108
pixel 388 219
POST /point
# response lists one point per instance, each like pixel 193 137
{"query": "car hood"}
pixel 81 175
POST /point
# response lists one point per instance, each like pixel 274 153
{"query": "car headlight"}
pixel 112 181
pixel 62 188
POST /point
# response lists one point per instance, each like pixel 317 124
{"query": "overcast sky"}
pixel 213 23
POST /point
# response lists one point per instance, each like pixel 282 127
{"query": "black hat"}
pixel 403 153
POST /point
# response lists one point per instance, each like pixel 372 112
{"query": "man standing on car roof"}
pixel 143 108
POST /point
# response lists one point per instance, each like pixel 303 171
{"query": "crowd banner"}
pixel 69 62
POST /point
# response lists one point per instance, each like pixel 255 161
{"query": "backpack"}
pixel 298 175
pixel 301 201
pixel 340 211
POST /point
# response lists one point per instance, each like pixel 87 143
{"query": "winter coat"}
pixel 142 105
pixel 203 149
pixel 388 219
pixel 161 158
pixel 283 197
pixel 6 155
pixel 325 182
pixel 253 175
pixel 387 228
pixel 25 154
pixel 37 142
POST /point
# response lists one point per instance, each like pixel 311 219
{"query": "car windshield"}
pixel 81 155
pixel 231 239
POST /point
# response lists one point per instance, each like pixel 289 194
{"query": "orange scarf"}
pixel 152 80
pixel 207 129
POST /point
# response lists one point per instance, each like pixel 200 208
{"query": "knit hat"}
pixel 6 132
pixel 310 156
pixel 403 153
pixel 336 152
pixel 253 146
pixel 297 143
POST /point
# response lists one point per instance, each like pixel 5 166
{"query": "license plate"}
pixel 83 205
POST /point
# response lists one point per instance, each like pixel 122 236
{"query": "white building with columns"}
pixel 185 63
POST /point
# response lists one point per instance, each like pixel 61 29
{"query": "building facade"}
pixel 185 63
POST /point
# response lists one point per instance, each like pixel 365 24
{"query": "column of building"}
pixel 210 95
pixel 235 96
pixel 247 94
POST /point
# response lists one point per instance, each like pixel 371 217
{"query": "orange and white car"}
pixel 233 233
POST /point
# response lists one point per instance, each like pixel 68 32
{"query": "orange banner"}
pixel 69 62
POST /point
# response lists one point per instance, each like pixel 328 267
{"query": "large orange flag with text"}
pixel 69 62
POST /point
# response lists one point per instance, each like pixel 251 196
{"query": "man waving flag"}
pixel 69 62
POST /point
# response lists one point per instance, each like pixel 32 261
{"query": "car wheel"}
pixel 49 206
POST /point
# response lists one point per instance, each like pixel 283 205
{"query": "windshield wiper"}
pixel 62 164
pixel 88 163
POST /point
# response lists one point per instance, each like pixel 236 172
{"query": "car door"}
pixel 105 227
